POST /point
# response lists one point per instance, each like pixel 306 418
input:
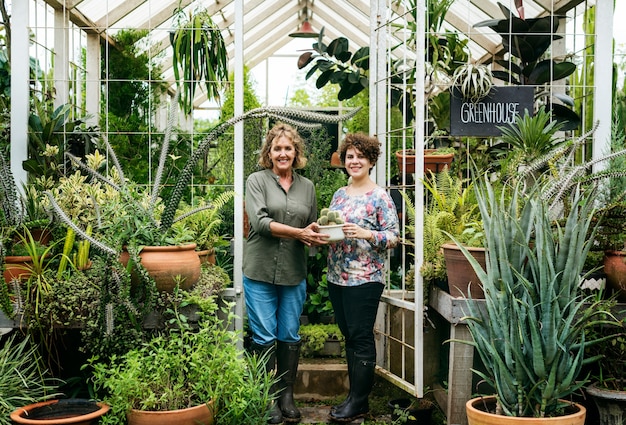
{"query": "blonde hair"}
pixel 281 129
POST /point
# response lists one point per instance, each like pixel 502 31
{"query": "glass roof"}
pixel 267 23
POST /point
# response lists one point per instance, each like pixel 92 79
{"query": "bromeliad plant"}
pixel 532 333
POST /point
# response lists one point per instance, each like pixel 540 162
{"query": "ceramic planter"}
pixel 197 415
pixel 611 405
pixel 460 272
pixel 165 263
pixel 477 414
pixel 60 412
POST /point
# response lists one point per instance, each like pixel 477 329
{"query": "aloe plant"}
pixel 531 334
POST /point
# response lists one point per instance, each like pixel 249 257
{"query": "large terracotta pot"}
pixel 60 412
pixel 434 163
pixel 460 272
pixel 611 405
pixel 165 263
pixel 198 415
pixel 476 415
pixel 615 269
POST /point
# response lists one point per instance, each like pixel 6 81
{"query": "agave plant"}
pixel 531 334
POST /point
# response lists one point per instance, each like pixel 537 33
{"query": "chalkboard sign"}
pixel 483 118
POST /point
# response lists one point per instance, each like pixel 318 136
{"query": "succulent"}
pixel 329 218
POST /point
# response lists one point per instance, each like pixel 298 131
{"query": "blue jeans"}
pixel 274 310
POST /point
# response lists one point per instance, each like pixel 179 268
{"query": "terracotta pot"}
pixel 198 415
pixel 165 263
pixel 59 412
pixel 460 272
pixel 434 163
pixel 335 160
pixel 17 267
pixel 476 415
pixel 611 405
pixel 615 269
pixel 207 256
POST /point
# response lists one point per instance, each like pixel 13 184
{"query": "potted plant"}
pixel 62 411
pixel 319 339
pixel 203 222
pixel 199 54
pixel 530 334
pixel 472 81
pixel 22 376
pixel 452 211
pixel 608 382
pixel 527 40
pixel 185 369
pixel 435 160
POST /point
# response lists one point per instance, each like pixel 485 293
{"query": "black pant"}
pixel 355 313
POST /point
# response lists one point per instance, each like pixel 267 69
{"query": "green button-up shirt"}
pixel 267 258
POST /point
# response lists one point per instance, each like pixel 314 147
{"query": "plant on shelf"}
pixel 532 333
pixel 200 54
pixel 527 40
pixel 451 211
pixel 315 336
pixel 183 368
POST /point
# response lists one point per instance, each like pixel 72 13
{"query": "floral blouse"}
pixel 353 262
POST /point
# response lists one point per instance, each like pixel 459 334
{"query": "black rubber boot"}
pixel 350 361
pixel 268 352
pixel 360 388
pixel 287 357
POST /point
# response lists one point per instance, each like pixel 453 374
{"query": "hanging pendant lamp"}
pixel 306 31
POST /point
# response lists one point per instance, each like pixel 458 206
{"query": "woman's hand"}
pixel 351 230
pixel 310 236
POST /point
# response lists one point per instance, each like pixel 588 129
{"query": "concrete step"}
pixel 321 379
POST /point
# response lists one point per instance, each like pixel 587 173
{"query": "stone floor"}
pixel 319 415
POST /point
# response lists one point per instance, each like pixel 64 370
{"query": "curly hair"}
pixel 369 146
pixel 282 129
